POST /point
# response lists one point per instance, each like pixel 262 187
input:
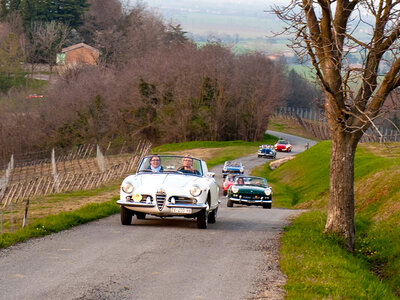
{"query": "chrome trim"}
pixel 134 204
pixel 161 198
pixel 251 201
pixel 199 206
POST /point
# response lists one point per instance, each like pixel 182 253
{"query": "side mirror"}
pixel 211 174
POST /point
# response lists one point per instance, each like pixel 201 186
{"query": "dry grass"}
pixel 202 153
pixel 288 126
pixel 383 149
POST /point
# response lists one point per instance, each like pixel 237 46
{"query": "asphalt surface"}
pixel 153 258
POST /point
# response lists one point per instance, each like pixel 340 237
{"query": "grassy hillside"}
pixel 317 266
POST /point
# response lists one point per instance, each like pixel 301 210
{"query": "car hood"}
pixel 250 189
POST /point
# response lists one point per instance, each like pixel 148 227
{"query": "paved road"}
pixel 152 258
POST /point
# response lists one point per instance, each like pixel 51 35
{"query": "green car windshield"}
pixel 247 180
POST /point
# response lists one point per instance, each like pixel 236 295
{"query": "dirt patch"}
pixel 383 150
pixel 202 153
pixel 277 163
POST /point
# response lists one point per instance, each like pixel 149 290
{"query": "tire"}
pixel 229 203
pixel 140 215
pixel 212 216
pixel 126 216
pixel 267 205
pixel 225 193
pixel 202 219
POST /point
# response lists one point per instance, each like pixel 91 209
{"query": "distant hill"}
pixel 247 25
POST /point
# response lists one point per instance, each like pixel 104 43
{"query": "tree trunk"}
pixel 340 219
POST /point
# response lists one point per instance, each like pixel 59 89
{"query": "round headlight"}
pixel 235 189
pixel 195 190
pixel 127 187
pixel 268 192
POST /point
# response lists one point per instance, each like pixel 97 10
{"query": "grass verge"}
pixel 59 222
pixel 318 266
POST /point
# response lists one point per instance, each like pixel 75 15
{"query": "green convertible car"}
pixel 250 190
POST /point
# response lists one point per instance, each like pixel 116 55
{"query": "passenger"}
pixel 240 180
pixel 188 165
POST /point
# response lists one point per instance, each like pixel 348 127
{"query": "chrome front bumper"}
pixel 240 200
pixel 151 205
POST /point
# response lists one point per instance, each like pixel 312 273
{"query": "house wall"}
pixel 81 55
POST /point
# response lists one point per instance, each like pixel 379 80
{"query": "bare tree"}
pixel 326 32
pixel 49 38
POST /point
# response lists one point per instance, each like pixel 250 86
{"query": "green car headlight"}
pixel 235 189
pixel 268 192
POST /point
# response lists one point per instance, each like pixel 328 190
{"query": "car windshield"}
pixel 250 181
pixel 235 164
pixel 282 142
pixel 229 179
pixel 171 164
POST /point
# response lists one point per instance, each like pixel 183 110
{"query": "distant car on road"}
pixel 283 145
pixel 232 167
pixel 266 151
pixel 250 190
pixel 170 191
pixel 33 96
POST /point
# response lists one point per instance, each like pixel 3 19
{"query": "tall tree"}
pixel 68 12
pixel 326 32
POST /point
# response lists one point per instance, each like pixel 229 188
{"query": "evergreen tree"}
pixel 68 12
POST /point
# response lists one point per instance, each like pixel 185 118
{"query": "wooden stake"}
pixel 26 213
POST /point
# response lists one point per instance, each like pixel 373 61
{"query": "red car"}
pixel 283 145
pixel 227 183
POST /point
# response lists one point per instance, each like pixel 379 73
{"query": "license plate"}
pixel 181 210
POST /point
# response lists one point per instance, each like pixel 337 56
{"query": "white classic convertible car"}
pixel 169 186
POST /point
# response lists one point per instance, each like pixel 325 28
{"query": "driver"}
pixel 188 165
pixel 155 164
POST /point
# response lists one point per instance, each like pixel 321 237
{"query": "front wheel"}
pixel 202 219
pixel 267 205
pixel 126 216
pixel 229 203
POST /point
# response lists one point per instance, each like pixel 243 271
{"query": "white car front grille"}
pixel 161 197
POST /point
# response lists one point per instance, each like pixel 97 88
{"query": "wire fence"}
pixel 73 171
pixel 313 121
